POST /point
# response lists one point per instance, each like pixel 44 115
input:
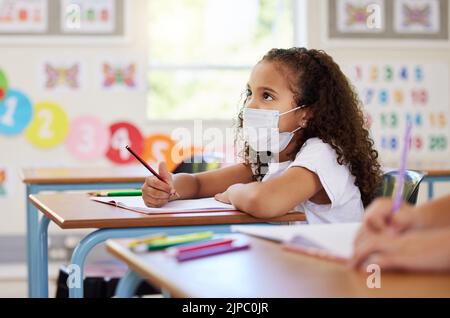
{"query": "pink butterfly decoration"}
pixel 119 76
pixel 356 14
pixel 417 15
pixel 62 76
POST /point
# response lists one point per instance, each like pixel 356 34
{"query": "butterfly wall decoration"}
pixel 356 14
pixel 121 76
pixel 62 76
pixel 416 15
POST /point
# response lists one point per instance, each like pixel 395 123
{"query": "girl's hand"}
pixel 223 197
pixel 424 250
pixel 155 192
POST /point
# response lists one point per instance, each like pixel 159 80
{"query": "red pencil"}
pixel 135 155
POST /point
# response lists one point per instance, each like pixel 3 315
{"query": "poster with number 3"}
pixel 88 138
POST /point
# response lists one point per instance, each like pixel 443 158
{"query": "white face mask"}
pixel 261 129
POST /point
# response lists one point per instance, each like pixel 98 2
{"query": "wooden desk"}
pixel 75 211
pixel 266 270
pixel 436 174
pixel 70 211
pixel 62 179
pixel 132 174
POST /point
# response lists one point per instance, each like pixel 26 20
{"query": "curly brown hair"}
pixel 338 120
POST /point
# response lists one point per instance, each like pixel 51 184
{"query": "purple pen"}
pixel 402 171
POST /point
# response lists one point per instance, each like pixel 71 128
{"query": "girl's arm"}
pixel 274 197
pixel 209 183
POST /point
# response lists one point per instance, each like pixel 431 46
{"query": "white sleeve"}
pixel 320 158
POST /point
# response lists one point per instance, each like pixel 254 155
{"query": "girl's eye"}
pixel 248 92
pixel 267 97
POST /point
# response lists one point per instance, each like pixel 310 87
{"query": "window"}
pixel 201 52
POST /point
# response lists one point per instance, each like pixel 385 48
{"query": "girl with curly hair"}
pixel 304 146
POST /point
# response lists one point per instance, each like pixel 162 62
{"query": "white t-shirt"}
pixel 337 180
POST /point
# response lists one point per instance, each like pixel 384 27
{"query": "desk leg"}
pixel 42 251
pixel 32 245
pixel 93 239
pixel 128 284
pixel 88 243
pixel 430 188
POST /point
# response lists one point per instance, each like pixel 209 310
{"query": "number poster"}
pixel 395 93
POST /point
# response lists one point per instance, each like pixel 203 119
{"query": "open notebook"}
pixel 178 206
pixel 332 241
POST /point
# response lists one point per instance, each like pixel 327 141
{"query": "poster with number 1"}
pixel 394 93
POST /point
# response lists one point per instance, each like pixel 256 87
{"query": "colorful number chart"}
pixel 395 93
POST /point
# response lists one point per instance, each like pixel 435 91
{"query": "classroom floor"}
pixel 13 280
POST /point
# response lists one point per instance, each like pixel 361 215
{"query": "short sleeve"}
pixel 321 158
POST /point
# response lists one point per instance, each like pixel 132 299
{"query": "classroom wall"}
pixel 19 62
pixel 375 55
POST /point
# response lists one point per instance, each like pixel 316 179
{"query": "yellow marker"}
pixel 146 240
pixel 179 239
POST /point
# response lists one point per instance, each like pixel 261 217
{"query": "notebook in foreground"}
pixel 334 241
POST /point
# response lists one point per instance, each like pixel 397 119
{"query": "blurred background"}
pixel 80 78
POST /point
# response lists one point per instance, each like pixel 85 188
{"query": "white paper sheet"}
pixel 177 206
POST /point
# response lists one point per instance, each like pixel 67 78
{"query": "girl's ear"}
pixel 305 115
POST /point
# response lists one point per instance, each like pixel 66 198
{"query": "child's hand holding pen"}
pixel 156 192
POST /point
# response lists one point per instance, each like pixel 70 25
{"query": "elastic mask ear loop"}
pixel 293 110
pixel 298 128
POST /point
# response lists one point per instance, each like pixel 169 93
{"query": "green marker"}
pixel 118 193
